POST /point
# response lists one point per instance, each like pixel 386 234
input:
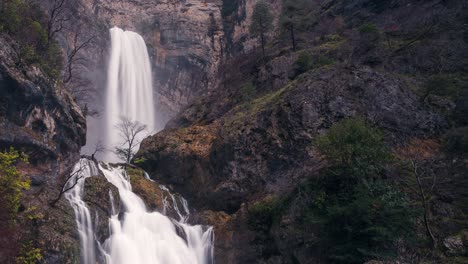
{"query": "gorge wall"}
pixel 185 40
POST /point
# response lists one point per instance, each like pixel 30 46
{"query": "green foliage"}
pixel 25 23
pixel 368 28
pixel 303 63
pixel 263 213
pixel 456 140
pixel 306 62
pixel 354 149
pixel 362 215
pixel 262 19
pixel 365 223
pixel 294 17
pixel 139 160
pixel 29 254
pixel 12 183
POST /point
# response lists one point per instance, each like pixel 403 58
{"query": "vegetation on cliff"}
pixel 27 24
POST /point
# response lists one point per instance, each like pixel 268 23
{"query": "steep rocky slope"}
pixel 184 39
pixel 262 145
pixel 39 118
pixel 251 144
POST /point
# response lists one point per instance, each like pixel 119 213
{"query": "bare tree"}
pixel 419 172
pixel 420 156
pixel 57 18
pixel 98 148
pixel 71 181
pixel 131 134
pixel 76 45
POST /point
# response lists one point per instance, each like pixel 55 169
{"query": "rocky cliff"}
pixel 35 113
pixel 40 118
pixel 243 154
pixel 185 40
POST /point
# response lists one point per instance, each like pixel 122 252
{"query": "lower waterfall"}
pixel 137 235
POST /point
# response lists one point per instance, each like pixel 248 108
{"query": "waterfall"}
pixel 151 237
pixel 129 91
pixel 137 235
pixel 82 170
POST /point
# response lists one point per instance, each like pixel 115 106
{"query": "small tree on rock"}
pixel 262 22
pixel 291 17
pixel 131 134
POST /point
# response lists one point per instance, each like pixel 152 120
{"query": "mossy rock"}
pixel 97 197
pixel 147 190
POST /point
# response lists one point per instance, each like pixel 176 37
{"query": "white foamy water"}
pixel 137 235
pixel 83 169
pixel 141 236
pixel 129 91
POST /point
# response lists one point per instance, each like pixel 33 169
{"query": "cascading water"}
pixel 136 234
pixel 129 87
pixel 82 170
pixel 151 237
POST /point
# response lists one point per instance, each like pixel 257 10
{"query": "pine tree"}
pixel 291 17
pixel 262 22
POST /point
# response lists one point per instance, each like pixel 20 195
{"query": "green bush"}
pixel 263 213
pixel 360 213
pixel 368 28
pixel 303 63
pixel 25 23
pixel 365 223
pixel 12 183
pixel 29 254
pixel 306 62
pixel 354 149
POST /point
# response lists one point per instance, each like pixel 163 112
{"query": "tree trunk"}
pixel 293 38
pixel 426 209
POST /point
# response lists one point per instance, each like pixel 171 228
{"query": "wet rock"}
pixel 97 195
pixel 147 190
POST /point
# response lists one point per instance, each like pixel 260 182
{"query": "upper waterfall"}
pixel 129 92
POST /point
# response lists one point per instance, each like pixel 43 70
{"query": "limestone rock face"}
pixel 40 118
pixel 238 22
pixel 35 113
pixel 184 39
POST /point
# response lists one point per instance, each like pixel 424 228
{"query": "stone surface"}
pixel 35 113
pixel 221 164
pixel 97 191
pixel 184 39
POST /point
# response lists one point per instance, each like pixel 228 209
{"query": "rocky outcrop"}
pixel 269 140
pixel 40 118
pixel 237 16
pixel 35 113
pixel 97 196
pixel 184 39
